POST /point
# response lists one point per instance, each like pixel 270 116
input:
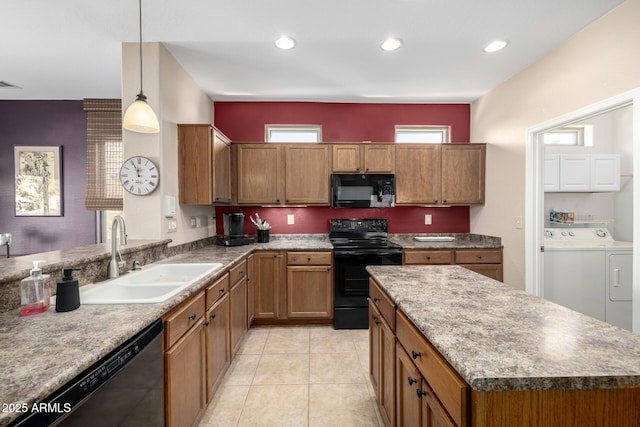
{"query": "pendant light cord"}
pixel 140 44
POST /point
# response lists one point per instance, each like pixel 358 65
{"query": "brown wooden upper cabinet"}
pixel 204 165
pixel 307 177
pixel 367 158
pixel 440 174
pixel 259 174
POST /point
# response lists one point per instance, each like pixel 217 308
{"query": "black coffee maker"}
pixel 233 223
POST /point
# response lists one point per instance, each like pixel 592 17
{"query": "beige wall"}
pixel 175 98
pixel 601 61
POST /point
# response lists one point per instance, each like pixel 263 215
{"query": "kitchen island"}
pixel 502 356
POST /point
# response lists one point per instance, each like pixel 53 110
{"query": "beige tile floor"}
pixel 297 376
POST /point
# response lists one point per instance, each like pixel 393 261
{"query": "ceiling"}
pixel 71 49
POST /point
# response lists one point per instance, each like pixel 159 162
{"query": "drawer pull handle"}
pixel 479 256
pixel 222 291
pixel 428 258
pixel 375 320
pixel 242 273
pixel 412 381
pixel 206 324
pixel 415 354
pixel 376 299
pixel 213 316
pixel 308 259
pixel 192 317
pixel 421 393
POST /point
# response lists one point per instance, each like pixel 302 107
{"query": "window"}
pixel 293 133
pixel 569 135
pixel 423 134
pixel 104 157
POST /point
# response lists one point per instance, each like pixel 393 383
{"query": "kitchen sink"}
pixel 150 285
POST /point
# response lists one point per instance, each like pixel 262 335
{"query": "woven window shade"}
pixel 104 154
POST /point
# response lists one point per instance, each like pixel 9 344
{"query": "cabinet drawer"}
pixel 451 390
pixel 308 258
pixel 217 290
pixel 184 318
pixel 428 257
pixel 383 303
pixel 479 256
pixel 238 272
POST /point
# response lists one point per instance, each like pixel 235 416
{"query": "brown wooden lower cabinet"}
pixel 487 262
pixel 310 292
pixel 269 274
pixel 238 303
pixel 416 403
pixel 218 352
pixel 381 364
pixel 185 378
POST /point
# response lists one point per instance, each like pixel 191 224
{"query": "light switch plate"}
pixel 172 226
pixel 427 219
pixel 517 222
pixel 290 219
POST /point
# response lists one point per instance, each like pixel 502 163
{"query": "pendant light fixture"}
pixel 140 117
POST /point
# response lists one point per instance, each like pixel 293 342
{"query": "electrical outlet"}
pixel 290 219
pixel 198 222
pixel 172 226
pixel 517 222
pixel 427 219
pixel 193 222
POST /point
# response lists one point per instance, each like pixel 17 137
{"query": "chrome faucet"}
pixel 114 270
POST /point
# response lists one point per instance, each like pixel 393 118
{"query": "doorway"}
pixel 608 127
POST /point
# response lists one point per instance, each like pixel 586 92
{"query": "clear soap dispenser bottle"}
pixel 35 292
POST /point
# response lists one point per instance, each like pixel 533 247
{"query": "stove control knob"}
pixel 548 234
pixel 571 233
pixel 564 233
pixel 601 233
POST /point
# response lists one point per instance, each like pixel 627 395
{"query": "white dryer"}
pixel 587 271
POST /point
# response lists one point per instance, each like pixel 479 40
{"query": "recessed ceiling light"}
pixel 391 43
pixel 285 43
pixel 495 46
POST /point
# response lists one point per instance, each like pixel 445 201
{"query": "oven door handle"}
pixel 377 252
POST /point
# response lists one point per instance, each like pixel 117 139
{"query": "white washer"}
pixel 587 271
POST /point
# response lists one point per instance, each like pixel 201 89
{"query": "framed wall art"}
pixel 38 180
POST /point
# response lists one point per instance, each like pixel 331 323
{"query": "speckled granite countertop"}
pixel 461 241
pixel 42 352
pixel 499 338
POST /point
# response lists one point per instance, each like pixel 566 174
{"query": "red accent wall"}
pixel 245 121
pixel 311 220
pixel 344 122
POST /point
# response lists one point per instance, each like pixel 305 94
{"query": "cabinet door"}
pixel 307 177
pixel 195 168
pixel 463 174
pixel 408 380
pixel 222 171
pixel 259 173
pixel 418 174
pixel 309 292
pixel 551 172
pixel 185 378
pixel 250 291
pixel 605 172
pixel 238 307
pixel 432 412
pixel 268 273
pixel 346 158
pixel 375 322
pixel 574 172
pixel 378 158
pixel 387 374
pixel 218 344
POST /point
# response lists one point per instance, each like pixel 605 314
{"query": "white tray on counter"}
pixel 434 238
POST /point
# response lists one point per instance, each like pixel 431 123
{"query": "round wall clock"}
pixel 139 175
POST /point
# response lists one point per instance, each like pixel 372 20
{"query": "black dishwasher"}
pixel 125 388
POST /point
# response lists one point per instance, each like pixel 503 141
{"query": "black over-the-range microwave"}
pixel 362 190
